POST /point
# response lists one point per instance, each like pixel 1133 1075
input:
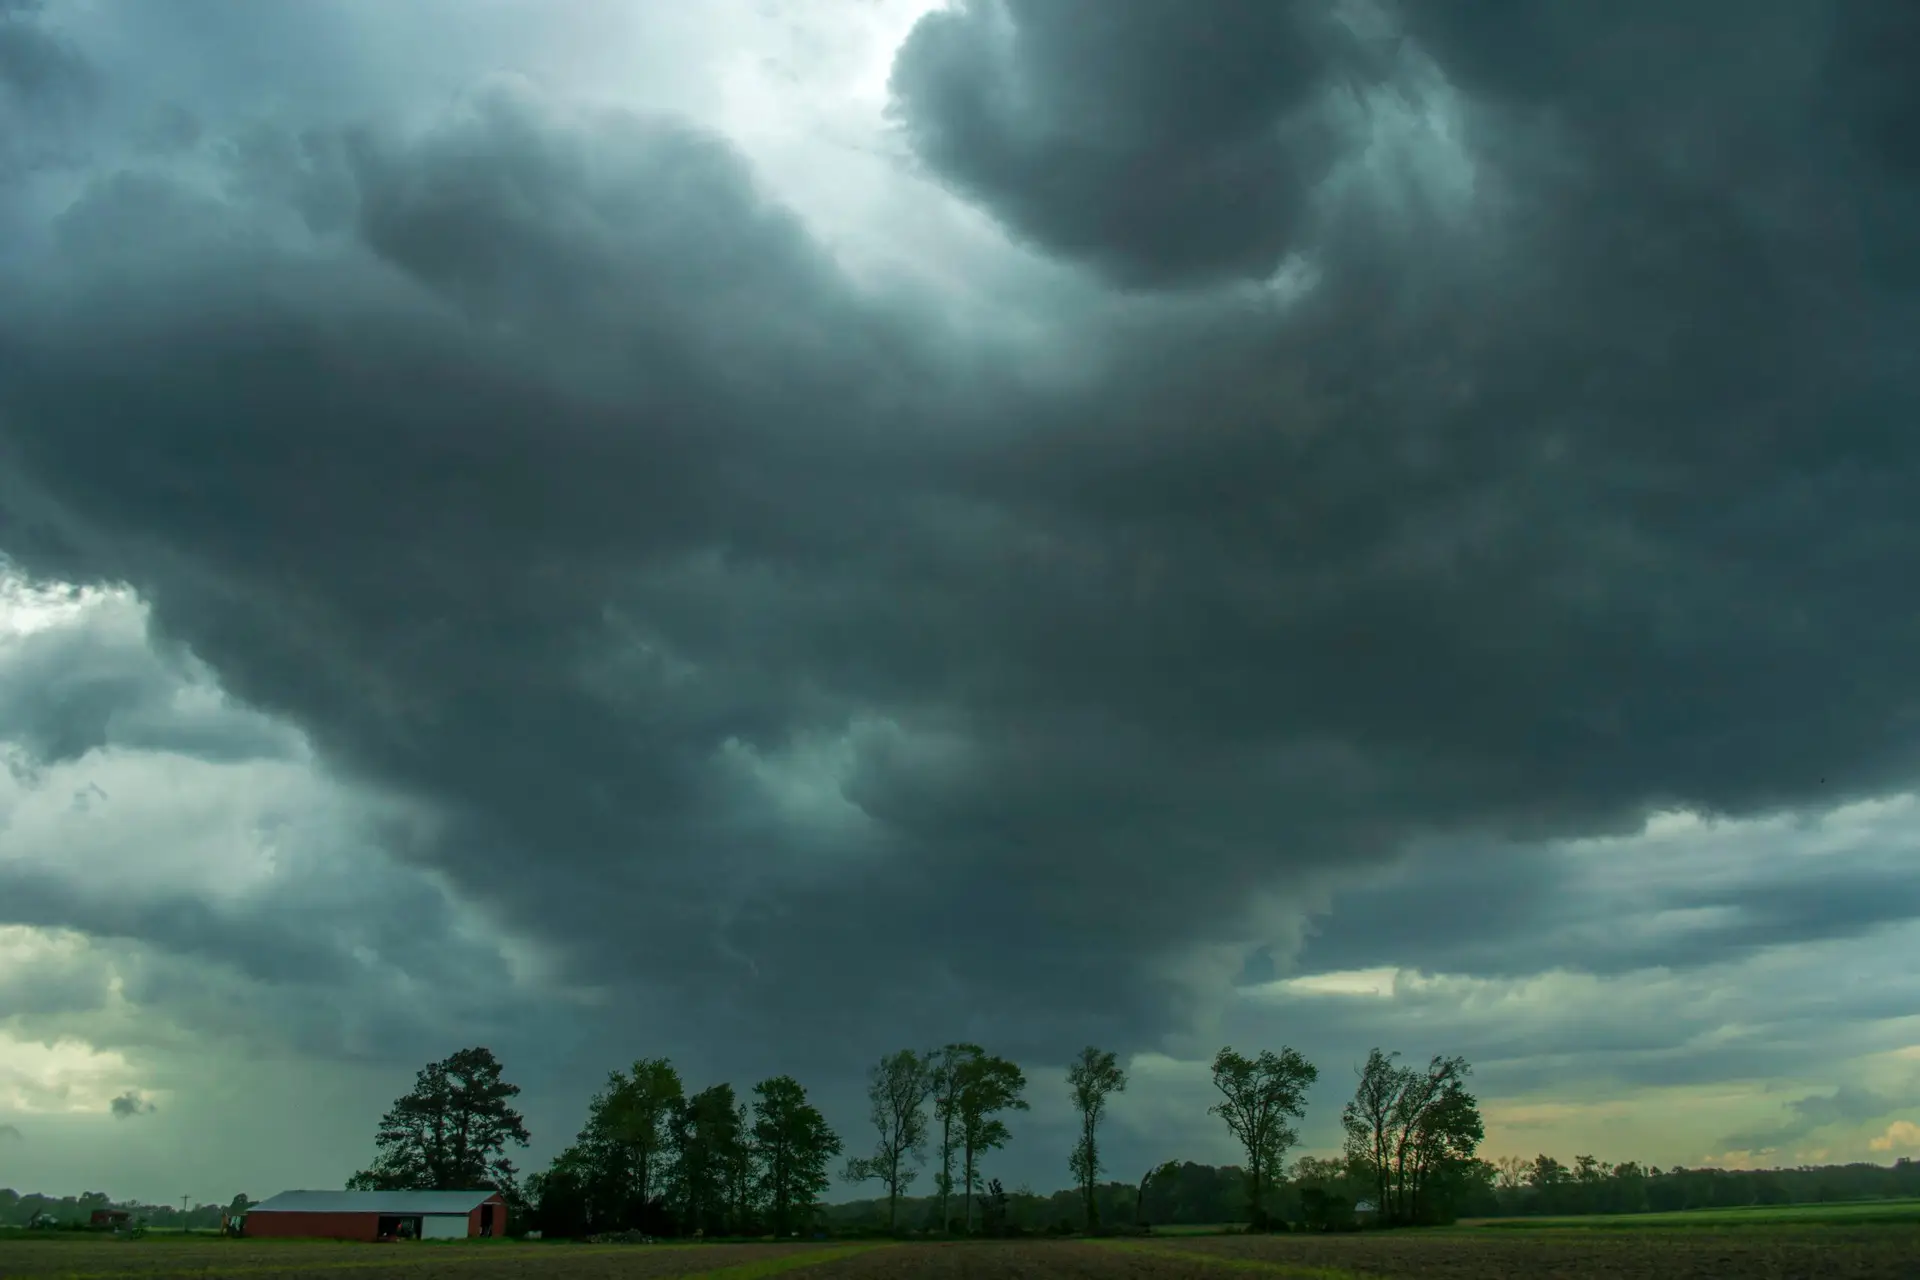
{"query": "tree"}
pixel 638 1110
pixel 994 1209
pixel 741 1168
pixel 706 1132
pixel 1368 1121
pixel 984 1087
pixel 1159 1176
pixel 1413 1135
pixel 897 1087
pixel 613 1174
pixel 946 1109
pixel 1258 1096
pixel 1325 1190
pixel 794 1144
pixel 450 1133
pixel 1093 1077
pixel 1437 1130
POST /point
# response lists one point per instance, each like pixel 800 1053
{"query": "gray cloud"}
pixel 46 86
pixel 131 1104
pixel 69 691
pixel 1519 910
pixel 10 1133
pixel 1160 147
pixel 1845 1105
pixel 761 641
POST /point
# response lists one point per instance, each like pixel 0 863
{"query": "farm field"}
pixel 1856 1213
pixel 149 1259
pixel 1765 1252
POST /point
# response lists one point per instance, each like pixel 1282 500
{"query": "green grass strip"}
pixel 1295 1270
pixel 761 1267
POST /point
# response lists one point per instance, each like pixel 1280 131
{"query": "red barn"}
pixel 379 1215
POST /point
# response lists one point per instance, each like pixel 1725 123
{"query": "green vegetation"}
pixel 1859 1213
pixel 1411 1137
pixel 450 1132
pixel 653 1161
pixel 898 1087
pixel 1093 1078
pixel 1258 1096
pixel 775 1265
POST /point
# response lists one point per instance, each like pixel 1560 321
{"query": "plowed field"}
pixel 1834 1253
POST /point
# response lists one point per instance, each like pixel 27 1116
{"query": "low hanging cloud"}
pixel 127 1105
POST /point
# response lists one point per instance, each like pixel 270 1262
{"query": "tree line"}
pixel 33 1209
pixel 656 1158
pixel 1543 1185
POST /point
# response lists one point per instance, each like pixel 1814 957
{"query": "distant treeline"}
pixel 18 1210
pixel 1543 1185
pixel 1186 1193
pixel 1192 1194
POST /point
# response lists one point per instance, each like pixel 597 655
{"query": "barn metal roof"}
pixel 393 1202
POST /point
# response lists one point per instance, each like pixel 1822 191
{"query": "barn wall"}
pixel 326 1226
pixel 499 1218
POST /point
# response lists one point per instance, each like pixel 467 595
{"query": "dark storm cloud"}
pixel 130 1104
pixel 1161 143
pixel 553 473
pixel 46 87
pixel 1515 911
pixel 36 64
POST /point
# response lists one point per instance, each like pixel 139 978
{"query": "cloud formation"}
pixel 1816 1111
pixel 1433 437
pixel 1159 146
pixel 127 1105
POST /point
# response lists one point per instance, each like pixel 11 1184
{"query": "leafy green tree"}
pixel 1369 1124
pixel 742 1167
pixel 612 1176
pixel 638 1112
pixel 985 1087
pixel 897 1089
pixel 1161 1175
pixel 946 1112
pixel 1093 1077
pixel 1258 1097
pixel 1438 1131
pixel 706 1134
pixel 1324 1190
pixel 795 1145
pixel 450 1132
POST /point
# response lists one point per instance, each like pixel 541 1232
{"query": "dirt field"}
pixel 1832 1253
pixel 309 1260
pixel 1766 1253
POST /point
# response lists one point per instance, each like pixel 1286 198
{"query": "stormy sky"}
pixel 767 533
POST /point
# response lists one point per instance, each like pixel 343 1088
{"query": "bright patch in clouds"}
pixel 1902 1136
pixel 61 1076
pixel 1353 982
